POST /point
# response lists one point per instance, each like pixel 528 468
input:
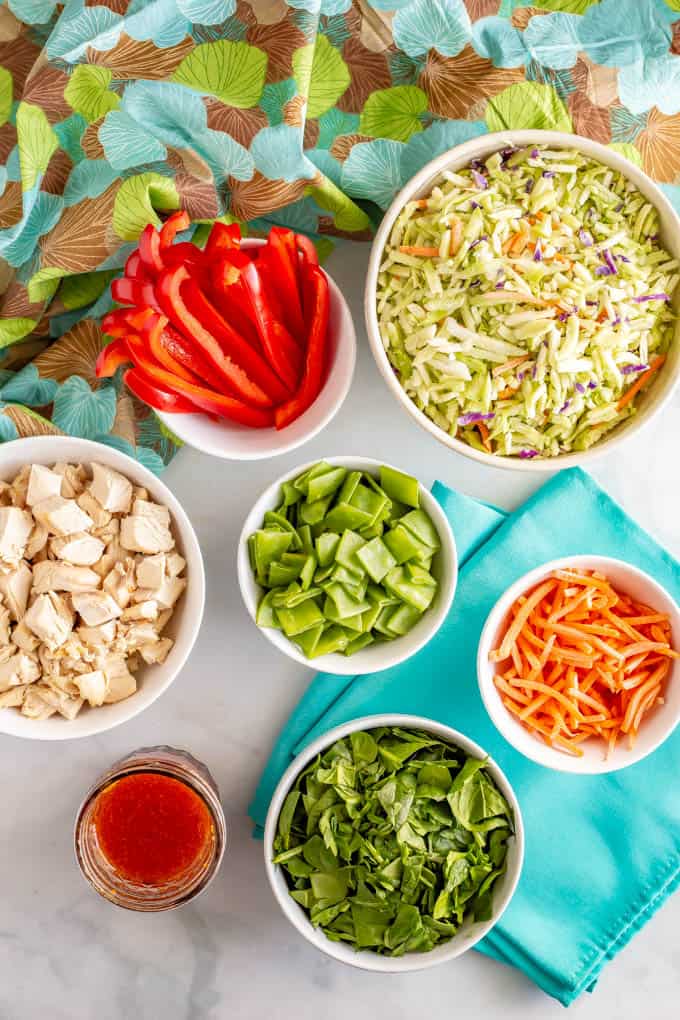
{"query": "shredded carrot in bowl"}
pixel 579 660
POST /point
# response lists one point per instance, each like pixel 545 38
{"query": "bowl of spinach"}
pixel 393 843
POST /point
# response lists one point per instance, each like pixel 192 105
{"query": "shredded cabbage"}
pixel 524 296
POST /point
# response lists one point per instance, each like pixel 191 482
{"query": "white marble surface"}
pixel 65 954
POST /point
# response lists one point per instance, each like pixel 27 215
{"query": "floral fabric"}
pixel 311 114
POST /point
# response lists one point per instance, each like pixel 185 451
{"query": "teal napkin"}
pixel 602 852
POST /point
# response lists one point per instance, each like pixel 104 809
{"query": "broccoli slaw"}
pixel 526 302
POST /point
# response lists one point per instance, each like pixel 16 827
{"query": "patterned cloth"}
pixel 311 114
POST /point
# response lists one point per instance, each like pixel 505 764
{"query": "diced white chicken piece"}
pixel 73 478
pixel 92 686
pixel 37 541
pixel 101 635
pixel 13 698
pixel 15 528
pixel 66 704
pixel 19 487
pixel 136 633
pixel 165 595
pixel 53 575
pixel 120 582
pixel 156 651
pixel 95 607
pixel 109 531
pixel 18 669
pixel 145 508
pixel 139 492
pixel 42 483
pixel 163 619
pixel 35 706
pixel 64 684
pixel 62 516
pixel 50 619
pixel 4 626
pixel 142 611
pixel 151 570
pixel 5 494
pixel 121 683
pixel 99 516
pixel 80 549
pixel 174 565
pixel 144 534
pixel 15 588
pixel 114 554
pixel 111 490
pixel 24 638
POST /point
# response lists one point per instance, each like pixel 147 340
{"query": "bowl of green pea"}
pixel 347 565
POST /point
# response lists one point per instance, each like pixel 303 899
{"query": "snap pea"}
pixel 344 559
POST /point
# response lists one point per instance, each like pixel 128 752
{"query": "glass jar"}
pixel 133 894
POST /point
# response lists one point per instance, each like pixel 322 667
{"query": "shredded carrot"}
pixel 507 392
pixel 580 670
pixel 484 433
pixel 419 249
pixel 456 234
pixel 507 366
pixel 420 203
pixel 640 382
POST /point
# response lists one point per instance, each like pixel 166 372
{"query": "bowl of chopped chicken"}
pixel 102 587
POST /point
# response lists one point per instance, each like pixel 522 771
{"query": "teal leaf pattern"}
pixel 126 143
pixel 372 171
pixel 26 387
pixel 81 411
pixel 422 25
pixel 277 152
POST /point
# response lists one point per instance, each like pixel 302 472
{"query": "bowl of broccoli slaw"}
pixel 522 299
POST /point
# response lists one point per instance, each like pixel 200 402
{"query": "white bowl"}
pixel 186 620
pixel 659 391
pixel 380 655
pixel 232 441
pixel 470 932
pixel 658 725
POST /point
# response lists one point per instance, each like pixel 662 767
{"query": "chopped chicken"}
pixel 62 516
pixel 80 549
pixel 142 611
pixel 93 686
pixel 111 490
pixel 15 527
pixel 73 478
pixel 95 607
pixel 151 570
pixel 42 483
pixel 120 582
pixel 52 575
pixel 121 682
pixel 49 619
pixel 35 705
pixel 101 635
pixel 156 651
pixel 89 576
pixel 37 541
pixel 99 516
pixel 15 588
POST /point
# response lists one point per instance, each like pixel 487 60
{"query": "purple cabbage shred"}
pixel 535 153
pixel 619 207
pixel 565 406
pixel 586 237
pixel 538 257
pixel 528 454
pixel 629 369
pixel 479 179
pixel 548 173
pixel 651 297
pixel 529 186
pixel 580 388
pixel 592 385
pixel 473 417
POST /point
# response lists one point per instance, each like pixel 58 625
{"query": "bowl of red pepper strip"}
pixel 245 348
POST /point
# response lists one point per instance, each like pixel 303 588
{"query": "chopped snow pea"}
pixel 345 559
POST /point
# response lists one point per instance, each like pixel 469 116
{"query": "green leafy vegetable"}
pixel 344 560
pixel 391 838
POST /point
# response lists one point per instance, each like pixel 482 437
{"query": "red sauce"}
pixel 151 828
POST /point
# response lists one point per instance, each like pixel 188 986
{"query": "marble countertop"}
pixel 65 954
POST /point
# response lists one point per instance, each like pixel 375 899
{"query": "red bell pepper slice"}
pixel 134 267
pixel 174 306
pixel 150 249
pixel 163 356
pixel 128 291
pixel 173 225
pixel 111 358
pixel 230 299
pixel 283 257
pixel 233 344
pixel 317 344
pixel 221 237
pixel 307 250
pixel 161 400
pixel 282 352
pixel 183 351
pixel 123 321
